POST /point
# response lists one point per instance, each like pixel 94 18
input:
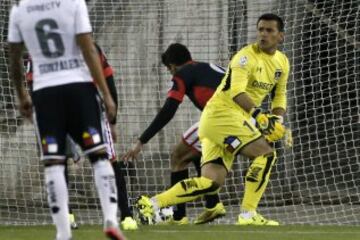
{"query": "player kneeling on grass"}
pixel 226 128
pixel 197 80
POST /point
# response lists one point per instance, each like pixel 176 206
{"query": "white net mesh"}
pixel 316 182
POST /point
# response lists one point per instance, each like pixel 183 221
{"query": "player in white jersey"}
pixel 57 35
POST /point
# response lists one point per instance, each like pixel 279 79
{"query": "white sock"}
pixel 247 214
pixel 106 187
pixel 58 200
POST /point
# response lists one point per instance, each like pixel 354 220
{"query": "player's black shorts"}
pixel 73 109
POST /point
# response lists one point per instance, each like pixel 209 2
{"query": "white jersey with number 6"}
pixel 48 28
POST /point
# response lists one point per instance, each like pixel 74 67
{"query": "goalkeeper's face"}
pixel 268 35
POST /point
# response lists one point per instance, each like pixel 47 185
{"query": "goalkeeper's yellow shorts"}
pixel 223 132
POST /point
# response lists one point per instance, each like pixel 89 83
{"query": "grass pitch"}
pixel 192 232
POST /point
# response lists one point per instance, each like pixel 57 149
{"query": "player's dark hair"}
pixel 272 17
pixel 177 54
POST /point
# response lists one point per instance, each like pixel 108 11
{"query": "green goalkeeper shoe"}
pixel 129 224
pixel 145 209
pixel 210 214
pixel 256 220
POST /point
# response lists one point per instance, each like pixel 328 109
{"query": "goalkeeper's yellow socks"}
pixel 256 180
pixel 185 191
pixel 180 209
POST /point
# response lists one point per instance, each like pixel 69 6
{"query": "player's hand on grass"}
pixel 25 106
pixel 133 153
pixel 110 107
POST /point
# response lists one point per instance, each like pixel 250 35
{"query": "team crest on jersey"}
pixel 278 73
pixel 91 137
pixel 232 143
pixel 243 61
pixel 49 144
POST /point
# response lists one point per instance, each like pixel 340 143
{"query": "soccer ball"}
pixel 163 215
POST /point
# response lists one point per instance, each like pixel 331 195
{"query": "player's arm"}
pixel 164 116
pixel 16 46
pixel 85 42
pixel 279 101
pixel 108 72
pixel 91 58
pixel 166 113
pixel 113 92
pixel 17 76
pixel 240 69
pixel 109 78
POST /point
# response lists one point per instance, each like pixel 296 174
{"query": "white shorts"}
pixel 191 138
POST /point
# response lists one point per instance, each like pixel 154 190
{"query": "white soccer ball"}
pixel 163 215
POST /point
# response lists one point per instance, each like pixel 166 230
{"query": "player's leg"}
pixel 256 179
pixel 213 176
pixel 213 173
pixel 189 149
pixel 127 220
pixel 49 119
pixel 87 129
pixel 179 160
pixel 71 154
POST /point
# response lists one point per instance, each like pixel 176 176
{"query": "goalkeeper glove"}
pixel 270 125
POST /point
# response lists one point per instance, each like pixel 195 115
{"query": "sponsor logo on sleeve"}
pixel 243 61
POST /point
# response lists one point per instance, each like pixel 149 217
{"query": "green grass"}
pixel 191 232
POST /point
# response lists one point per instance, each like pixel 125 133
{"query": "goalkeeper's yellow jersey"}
pixel 256 73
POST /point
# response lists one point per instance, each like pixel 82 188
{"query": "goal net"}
pixel 314 182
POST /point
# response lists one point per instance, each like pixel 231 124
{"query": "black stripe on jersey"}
pixel 228 81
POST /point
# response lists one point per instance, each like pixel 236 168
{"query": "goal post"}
pixel 315 182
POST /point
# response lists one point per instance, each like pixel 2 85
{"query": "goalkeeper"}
pixel 226 129
pixel 127 221
pixel 197 80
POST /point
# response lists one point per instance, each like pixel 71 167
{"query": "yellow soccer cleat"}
pixel 211 214
pixel 145 209
pixel 256 220
pixel 73 223
pixel 129 224
pixel 171 221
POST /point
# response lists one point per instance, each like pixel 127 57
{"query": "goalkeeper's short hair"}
pixel 177 54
